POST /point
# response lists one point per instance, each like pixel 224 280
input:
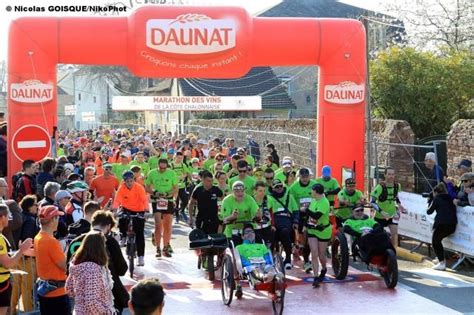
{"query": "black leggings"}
pixel 439 233
pixel 284 234
pixel 55 305
pixel 138 228
pixel 182 200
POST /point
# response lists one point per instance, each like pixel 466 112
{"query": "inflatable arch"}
pixel 189 42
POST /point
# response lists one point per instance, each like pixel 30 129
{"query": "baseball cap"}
pixel 201 141
pixel 107 165
pixel 326 171
pixel 276 182
pixel 61 194
pixel 350 181
pixel 465 163
pixel 467 176
pixel 238 185
pixel 170 151
pixel 240 150
pixel 49 212
pixel 69 166
pixel 286 163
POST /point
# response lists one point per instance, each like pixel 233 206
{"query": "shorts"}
pixel 385 223
pixel 6 294
pixel 170 209
pixel 319 238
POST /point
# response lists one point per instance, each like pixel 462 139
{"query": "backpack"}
pixel 15 184
pixel 384 195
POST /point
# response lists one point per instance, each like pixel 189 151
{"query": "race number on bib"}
pixel 162 204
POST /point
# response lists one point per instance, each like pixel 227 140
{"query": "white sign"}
pixel 187 103
pixel 31 91
pixel 69 110
pixel 191 34
pixel 346 92
pixel 88 116
pixel 418 225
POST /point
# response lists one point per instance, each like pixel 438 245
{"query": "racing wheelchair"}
pixel 233 271
pixel 373 248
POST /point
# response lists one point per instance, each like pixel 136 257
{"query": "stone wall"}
pixel 460 143
pixel 396 156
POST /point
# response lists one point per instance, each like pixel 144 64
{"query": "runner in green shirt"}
pixel 119 168
pixel 330 184
pixel 247 157
pixel 184 177
pixel 209 162
pixel 269 163
pixel 153 160
pixel 162 184
pixel 284 171
pixel 301 190
pixel 319 231
pixel 249 182
pixel 140 161
pixel 347 197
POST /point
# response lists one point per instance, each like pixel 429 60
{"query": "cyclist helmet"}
pixel 127 175
pixel 77 186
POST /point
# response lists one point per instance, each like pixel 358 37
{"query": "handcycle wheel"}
pixel 278 302
pixel 210 267
pixel 340 256
pixel 391 275
pixel 227 276
pixel 131 256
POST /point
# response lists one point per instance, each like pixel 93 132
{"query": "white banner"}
pixel 418 225
pixel 187 103
pixel 88 116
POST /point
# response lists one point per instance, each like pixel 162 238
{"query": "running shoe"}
pixel 141 261
pixel 316 282
pixel 322 275
pixel 166 251
pixel 238 292
pixel 288 266
pixel 170 249
pixel 158 252
pixel 440 266
pixel 307 267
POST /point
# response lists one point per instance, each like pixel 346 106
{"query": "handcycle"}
pixel 232 271
pixel 206 247
pixel 131 246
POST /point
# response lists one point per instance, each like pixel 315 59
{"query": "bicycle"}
pixel 131 246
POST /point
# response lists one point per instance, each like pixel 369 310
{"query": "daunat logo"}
pixel 346 92
pixel 31 91
pixel 191 34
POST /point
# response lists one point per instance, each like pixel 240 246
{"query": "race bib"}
pixel 195 177
pixel 305 202
pixel 256 260
pixel 312 221
pixel 161 204
pixel 280 210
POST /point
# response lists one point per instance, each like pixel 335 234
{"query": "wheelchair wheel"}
pixel 278 302
pixel 278 261
pixel 227 276
pixel 340 256
pixel 391 275
pixel 210 267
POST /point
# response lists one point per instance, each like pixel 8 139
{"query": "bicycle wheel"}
pixel 391 275
pixel 340 256
pixel 227 276
pixel 131 256
pixel 278 302
pixel 210 267
pixel 278 261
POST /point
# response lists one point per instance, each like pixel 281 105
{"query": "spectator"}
pixel 29 207
pixel 3 149
pixel 50 190
pixel 462 199
pixel 147 297
pixel 273 152
pixel 13 230
pixel 89 281
pixel 45 176
pixel 26 183
pixel 104 186
pixel 232 149
pixel 253 148
pixel 2 117
pixel 51 264
pixel 84 224
pixel 444 223
pixel 7 262
pixel 433 173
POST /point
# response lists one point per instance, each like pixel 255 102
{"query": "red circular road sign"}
pixel 31 142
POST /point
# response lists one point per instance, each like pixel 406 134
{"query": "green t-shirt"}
pixel 182 172
pixel 346 212
pixel 250 160
pixel 278 207
pixel 144 166
pixel 324 208
pixel 274 167
pixel 118 170
pixel 208 164
pixel 359 224
pixel 226 167
pixel 329 185
pixel 153 161
pixel 389 205
pixel 162 182
pixel 303 195
pixel 249 183
pixel 247 209
pixel 256 250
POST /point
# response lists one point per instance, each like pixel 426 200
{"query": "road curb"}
pixel 406 254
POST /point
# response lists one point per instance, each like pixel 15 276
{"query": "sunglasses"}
pixel 242 171
pixel 359 210
pixel 268 178
pixel 249 232
pixel 108 168
pixel 278 187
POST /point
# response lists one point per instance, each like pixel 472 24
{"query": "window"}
pixel 79 96
pixel 95 99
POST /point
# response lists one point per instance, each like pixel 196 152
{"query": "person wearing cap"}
pixel 330 184
pixel 388 207
pixel 51 264
pixel 462 198
pixel 465 166
pixel 285 170
pixel 147 297
pixel 286 217
pixel 105 186
pixel 301 190
pixel 140 161
pixel 247 157
pixel 7 261
pixel 170 154
pixel 348 197
pixel 119 168
pixel 432 173
pixel 249 181
pixel 184 176
pixel 162 184
pixel 318 230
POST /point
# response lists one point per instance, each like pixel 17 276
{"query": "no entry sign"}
pixel 31 142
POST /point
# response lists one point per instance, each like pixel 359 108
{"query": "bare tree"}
pixel 432 24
